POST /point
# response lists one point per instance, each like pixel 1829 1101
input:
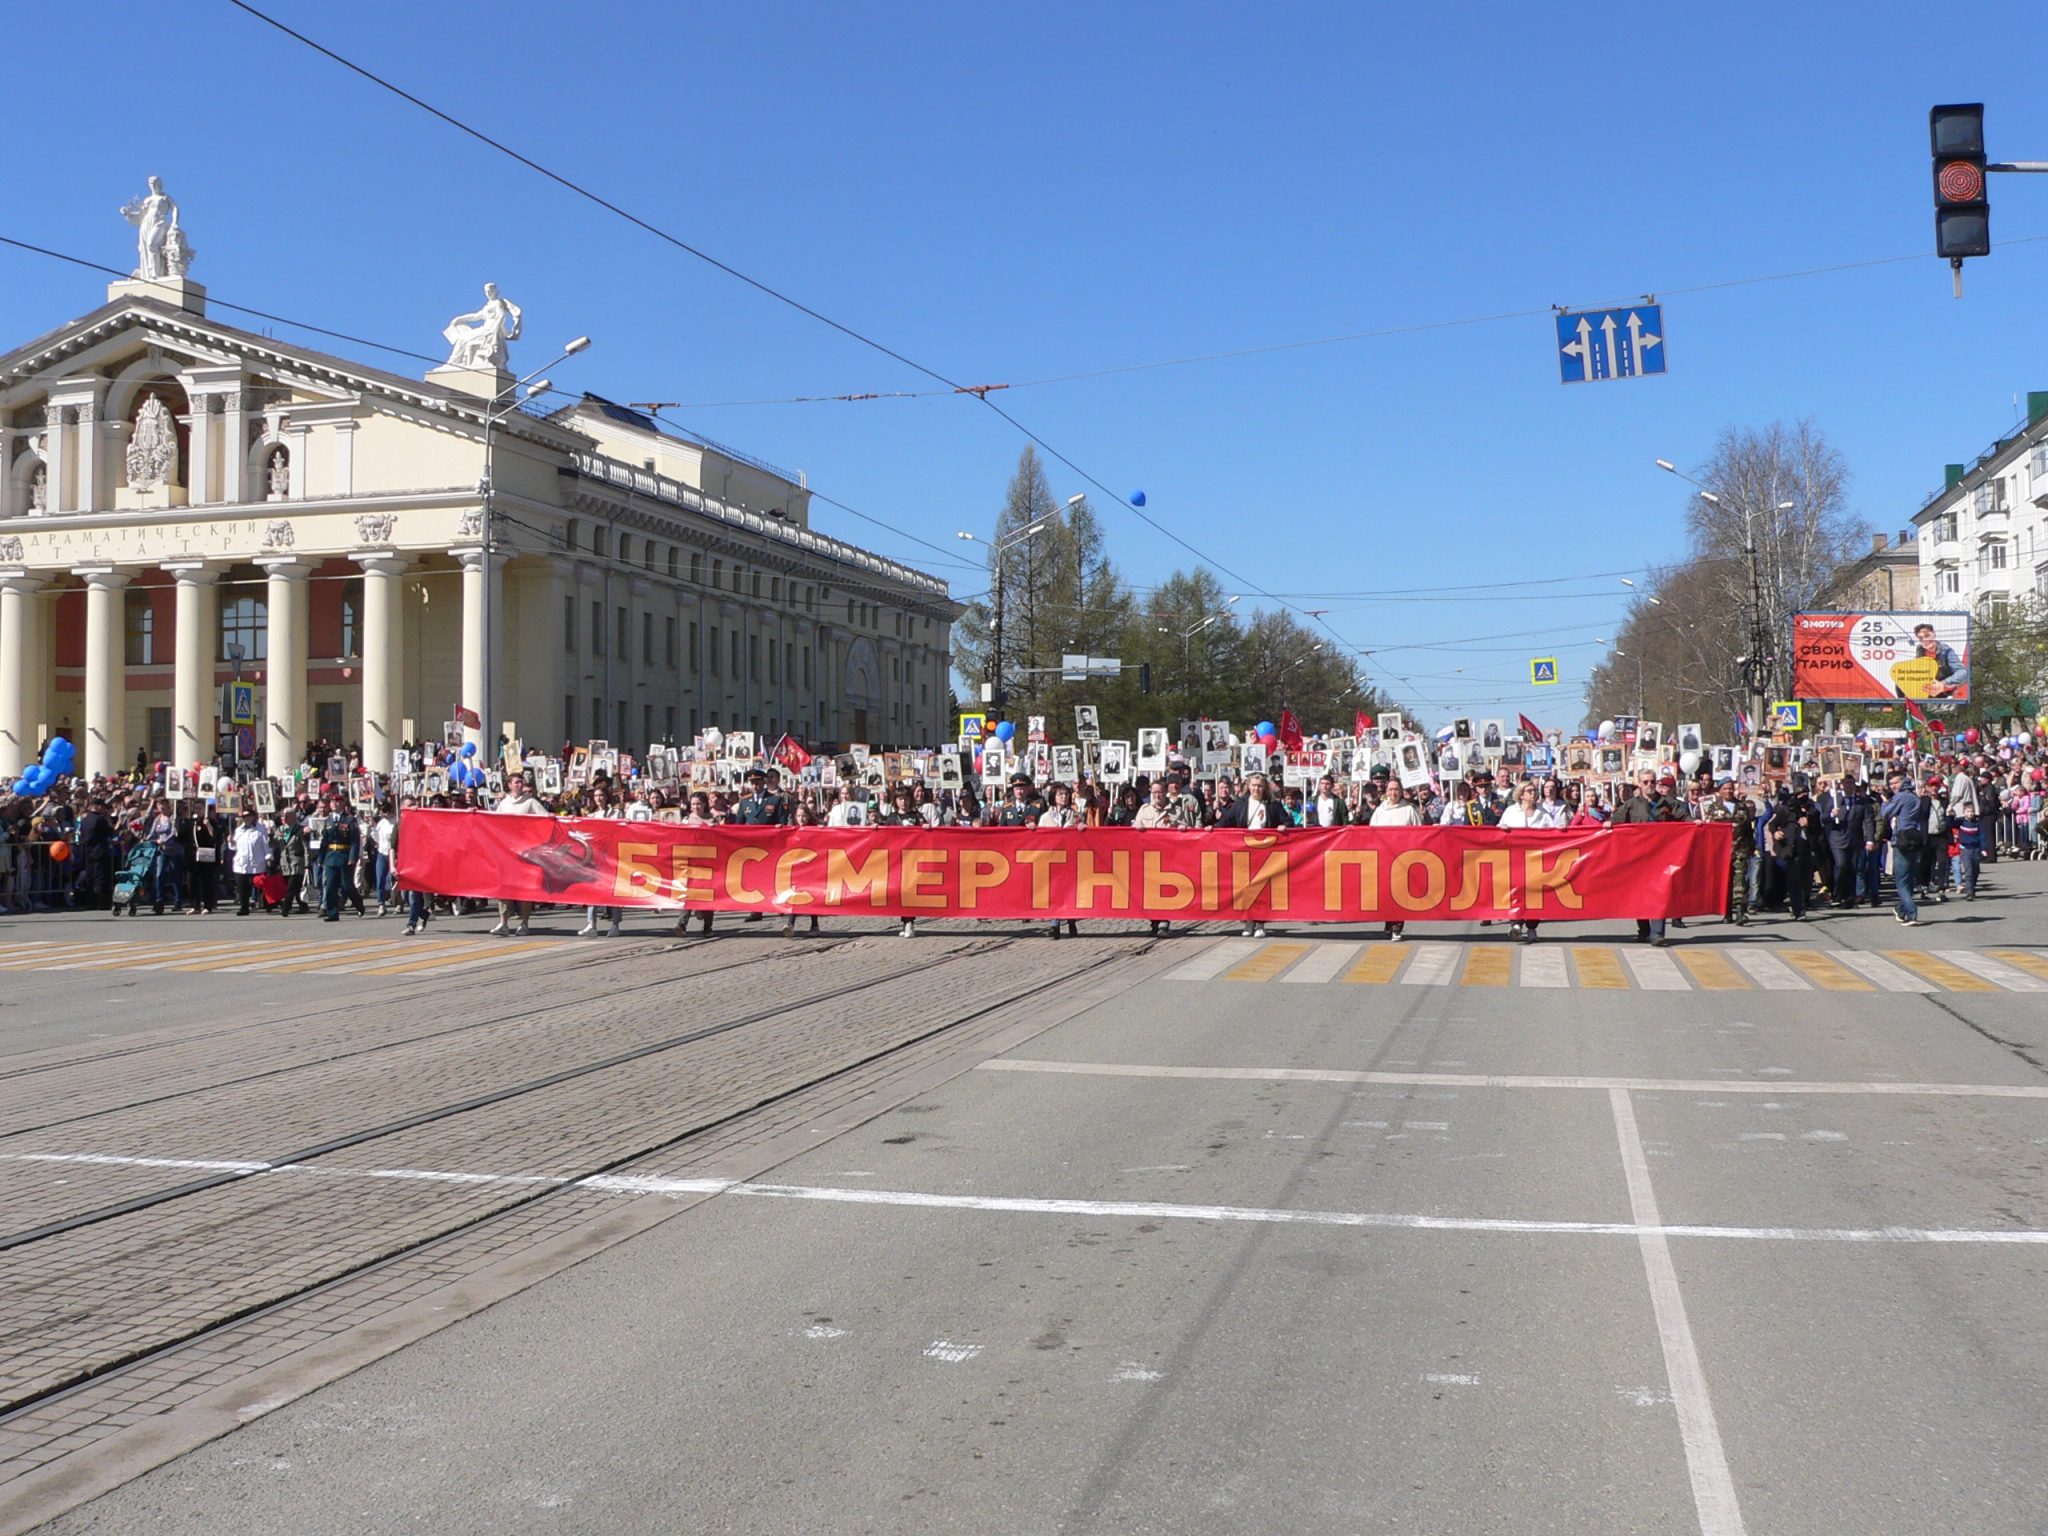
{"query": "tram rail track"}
pixel 508 1202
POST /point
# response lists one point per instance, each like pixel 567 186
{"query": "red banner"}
pixel 1308 875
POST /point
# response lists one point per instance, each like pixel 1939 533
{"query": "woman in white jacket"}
pixel 1397 810
pixel 1530 813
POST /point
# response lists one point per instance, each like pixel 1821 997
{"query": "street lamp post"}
pixel 503 404
pixel 1756 670
pixel 1187 644
pixel 997 551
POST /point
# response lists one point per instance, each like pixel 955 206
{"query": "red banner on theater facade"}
pixel 1309 875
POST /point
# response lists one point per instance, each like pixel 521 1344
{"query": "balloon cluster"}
pixel 1268 735
pixel 59 758
pixel 464 772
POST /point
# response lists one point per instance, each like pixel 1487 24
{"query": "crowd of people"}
pixel 326 842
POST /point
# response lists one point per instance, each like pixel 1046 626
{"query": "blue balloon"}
pixel 21 786
pixel 1137 498
pixel 469 749
pixel 1005 730
pixel 1264 728
pixel 59 755
pixel 38 779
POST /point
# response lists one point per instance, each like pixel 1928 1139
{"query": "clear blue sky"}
pixel 1007 195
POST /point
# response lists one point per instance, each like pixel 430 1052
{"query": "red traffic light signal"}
pixel 1962 209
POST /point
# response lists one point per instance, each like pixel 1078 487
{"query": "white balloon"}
pixel 2024 739
pixel 1689 762
pixel 1606 730
pixel 713 736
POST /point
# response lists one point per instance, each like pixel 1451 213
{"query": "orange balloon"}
pixel 60 851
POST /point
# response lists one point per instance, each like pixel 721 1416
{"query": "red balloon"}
pixel 60 852
pixel 1973 736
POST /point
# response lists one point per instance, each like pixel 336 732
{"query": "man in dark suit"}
pixel 1842 815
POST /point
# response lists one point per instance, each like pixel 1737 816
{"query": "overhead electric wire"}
pixel 980 393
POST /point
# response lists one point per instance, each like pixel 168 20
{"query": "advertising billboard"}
pixel 1848 658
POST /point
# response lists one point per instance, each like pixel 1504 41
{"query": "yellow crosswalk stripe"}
pixel 1599 966
pixel 1269 962
pixel 1824 971
pixel 1950 978
pixel 1487 967
pixel 1377 965
pixel 1712 971
pixel 245 954
pixel 469 954
pixel 2026 959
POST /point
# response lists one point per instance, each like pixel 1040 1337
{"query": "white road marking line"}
pixel 1475 1080
pixel 1130 1370
pixel 1889 977
pixel 1768 971
pixel 401 953
pixel 824 1331
pixel 1449 1379
pixel 1325 961
pixel 1434 965
pixel 946 1351
pixel 2006 976
pixel 1213 962
pixel 1544 968
pixel 1655 971
pixel 1143 1210
pixel 1713 1486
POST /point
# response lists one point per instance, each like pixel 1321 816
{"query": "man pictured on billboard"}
pixel 1951 674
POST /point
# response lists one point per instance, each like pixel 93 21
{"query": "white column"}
pixel 193 735
pixel 383 656
pixel 95 493
pixel 106 669
pixel 18 673
pixel 199 468
pixel 61 464
pixel 284 671
pixel 300 436
pixel 478 657
pixel 234 451
pixel 7 507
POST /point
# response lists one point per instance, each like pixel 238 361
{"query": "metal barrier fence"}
pixel 31 880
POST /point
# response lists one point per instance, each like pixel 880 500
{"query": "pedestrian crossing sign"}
pixel 1788 715
pixel 973 727
pixel 1542 669
pixel 241 703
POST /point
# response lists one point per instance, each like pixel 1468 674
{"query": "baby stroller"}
pixel 135 881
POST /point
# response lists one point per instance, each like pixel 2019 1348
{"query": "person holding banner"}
pixel 1060 816
pixel 806 816
pixel 600 809
pixel 518 801
pixel 1160 812
pixel 1258 811
pixel 700 816
pixel 902 813
pixel 1397 810
pixel 1528 813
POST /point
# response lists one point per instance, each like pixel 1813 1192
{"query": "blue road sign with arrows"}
pixel 1597 344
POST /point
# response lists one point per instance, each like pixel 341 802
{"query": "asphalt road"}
pixel 1756 1250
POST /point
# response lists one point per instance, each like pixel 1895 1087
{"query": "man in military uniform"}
pixel 1018 810
pixel 341 843
pixel 759 807
pixel 1731 806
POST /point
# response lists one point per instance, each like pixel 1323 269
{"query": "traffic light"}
pixel 1962 206
pixel 1144 677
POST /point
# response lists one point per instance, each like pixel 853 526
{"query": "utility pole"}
pixel 1758 666
pixel 995 695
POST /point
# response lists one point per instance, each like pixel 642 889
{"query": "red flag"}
pixel 1531 729
pixel 1290 732
pixel 1363 725
pixel 790 753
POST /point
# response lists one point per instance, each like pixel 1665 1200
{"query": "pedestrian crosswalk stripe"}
pixel 1655 971
pixel 1949 977
pixel 1487 967
pixel 1598 968
pixel 1432 966
pixel 1268 962
pixel 1605 967
pixel 1326 962
pixel 1824 971
pixel 1988 968
pixel 1888 977
pixel 1544 968
pixel 333 955
pixel 1214 961
pixel 1768 971
pixel 2032 964
pixel 1711 970
pixel 1377 964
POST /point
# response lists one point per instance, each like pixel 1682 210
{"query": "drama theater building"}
pixel 185 502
